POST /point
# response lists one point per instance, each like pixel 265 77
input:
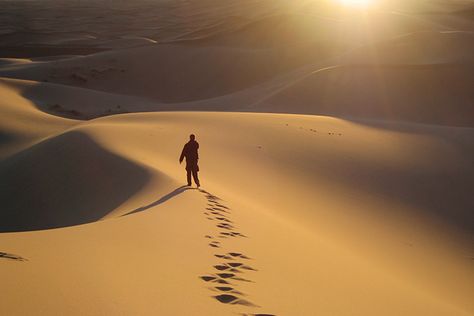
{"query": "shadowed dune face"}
pixel 20 123
pixel 169 73
pixel 422 77
pixel 77 103
pixel 433 94
pixel 6 138
pixel 64 181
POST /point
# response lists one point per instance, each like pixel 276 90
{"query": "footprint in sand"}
pixel 233 267
pixel 227 271
pixel 216 213
pixel 227 289
pixel 228 227
pixel 215 244
pixel 238 255
pixel 231 276
pixel 240 266
pixel 232 255
pixel 226 268
pixel 221 267
pixel 10 256
pixel 221 210
pixel 231 234
pixel 208 278
pixel 222 206
pixel 223 257
pixel 214 279
pixel 231 299
pixel 226 275
pixel 224 219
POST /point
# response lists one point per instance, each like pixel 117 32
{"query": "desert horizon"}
pixel 251 157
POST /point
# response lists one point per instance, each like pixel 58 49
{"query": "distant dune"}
pixel 411 77
pixel 284 30
pixel 419 48
pixel 168 73
pixel 430 94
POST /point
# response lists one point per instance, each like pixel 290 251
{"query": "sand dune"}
pixel 275 31
pixel 420 48
pixel 417 71
pixel 76 103
pixel 21 124
pixel 364 211
pixel 66 176
pixel 434 94
pixel 166 72
pixel 385 233
pixel 325 27
pixel 380 91
pixel 97 22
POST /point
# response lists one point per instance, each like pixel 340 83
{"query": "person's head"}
pixel 192 137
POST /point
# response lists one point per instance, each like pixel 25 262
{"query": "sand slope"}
pixel 75 102
pixel 20 123
pixel 166 73
pixel 436 94
pixel 356 221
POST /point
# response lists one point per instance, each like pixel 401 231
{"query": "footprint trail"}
pixel 228 274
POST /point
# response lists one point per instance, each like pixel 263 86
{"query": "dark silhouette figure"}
pixel 190 151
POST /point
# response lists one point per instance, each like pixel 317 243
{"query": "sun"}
pixel 356 3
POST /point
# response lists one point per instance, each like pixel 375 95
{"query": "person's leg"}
pixel 189 176
pixel 195 176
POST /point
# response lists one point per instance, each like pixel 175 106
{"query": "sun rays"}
pixel 356 3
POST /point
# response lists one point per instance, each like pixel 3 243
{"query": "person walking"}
pixel 190 152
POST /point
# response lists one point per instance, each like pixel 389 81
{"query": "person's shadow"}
pixel 163 199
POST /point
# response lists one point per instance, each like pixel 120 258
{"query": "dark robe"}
pixel 190 152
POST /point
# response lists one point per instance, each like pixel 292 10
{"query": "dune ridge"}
pixel 269 146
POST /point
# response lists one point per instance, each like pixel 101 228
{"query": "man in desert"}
pixel 190 152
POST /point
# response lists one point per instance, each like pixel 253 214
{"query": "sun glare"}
pixel 356 3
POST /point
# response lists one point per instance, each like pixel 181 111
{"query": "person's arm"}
pixel 182 154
